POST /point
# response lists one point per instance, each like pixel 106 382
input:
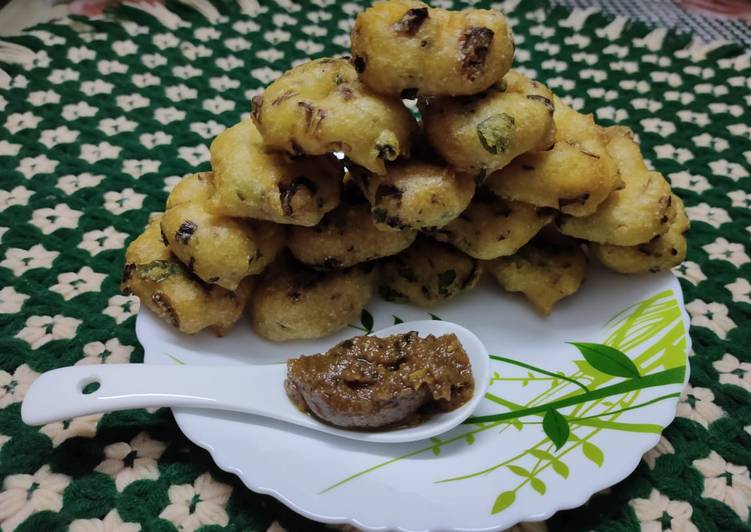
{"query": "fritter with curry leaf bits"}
pixel 165 286
pixel 576 176
pixel 346 236
pixel 483 133
pixel 322 107
pixel 406 48
pixel 253 181
pixel 428 273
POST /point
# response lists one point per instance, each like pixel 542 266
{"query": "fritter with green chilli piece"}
pixel 493 227
pixel 406 48
pixel 252 181
pixel 322 107
pixel 483 133
pixel 219 249
pixel 294 302
pixel 193 187
pixel 663 252
pixel 544 274
pixel 166 287
pixel 576 176
pixel 416 194
pixel 428 273
pixel 634 214
pixel 346 236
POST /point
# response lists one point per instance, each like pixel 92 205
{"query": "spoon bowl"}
pixel 254 389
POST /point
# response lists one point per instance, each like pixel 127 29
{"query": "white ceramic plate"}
pixel 483 476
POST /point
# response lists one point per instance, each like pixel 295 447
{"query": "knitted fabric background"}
pixel 99 118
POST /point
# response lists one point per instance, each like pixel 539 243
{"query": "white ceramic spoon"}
pixel 58 394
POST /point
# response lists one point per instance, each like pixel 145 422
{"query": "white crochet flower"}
pixel 9 148
pixel 151 140
pixel 726 482
pixel 78 427
pixel 59 217
pixel 740 289
pixel 13 387
pixel 732 252
pixel 19 121
pixel 186 71
pixel 114 66
pixel 740 198
pixel 38 98
pixel 663 447
pixel 165 115
pixel 180 92
pixel 73 111
pixel 97 86
pixel 19 195
pixel 110 352
pixel 200 504
pixel 100 240
pixel 137 168
pixel 130 102
pixel 113 126
pixel 698 405
pixel 22 260
pixel 120 307
pixel 10 300
pixel 71 183
pixel 712 315
pixel 41 164
pixel 703 212
pixel 24 495
pixel 697 183
pixel 651 512
pixel 120 202
pixel 207 130
pixel 93 153
pixel 128 462
pixel 59 135
pixel 40 330
pixel 61 75
pixel 194 155
pixel 72 284
pixel 729 169
pixel 691 272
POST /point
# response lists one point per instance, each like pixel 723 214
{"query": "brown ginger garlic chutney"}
pixel 370 383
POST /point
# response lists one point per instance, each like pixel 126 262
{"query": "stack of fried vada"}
pixel 333 191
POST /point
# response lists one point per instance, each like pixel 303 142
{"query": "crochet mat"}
pixel 100 117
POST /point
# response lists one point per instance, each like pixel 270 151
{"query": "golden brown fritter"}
pixel 322 107
pixel 634 214
pixel 165 287
pixel 428 273
pixel 219 249
pixel 483 133
pixel 252 181
pixel 416 194
pixel 493 227
pixel 663 252
pixel 346 236
pixel 293 302
pixel 192 187
pixel 544 274
pixel 575 176
pixel 406 48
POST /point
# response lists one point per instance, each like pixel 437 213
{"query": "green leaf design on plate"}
pixel 434 317
pixel 538 485
pixel 503 501
pixel 470 439
pixel 366 318
pixel 560 468
pixel 542 455
pixel 593 452
pixel 608 360
pixel 519 470
pixel 397 320
pixel 556 427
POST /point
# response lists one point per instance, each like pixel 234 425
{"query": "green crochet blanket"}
pixel 100 117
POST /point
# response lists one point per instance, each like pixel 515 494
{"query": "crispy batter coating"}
pixel 404 47
pixel 193 187
pixel 293 302
pixel 493 227
pixel 634 214
pixel 575 176
pixel 544 274
pixel 322 107
pixel 428 273
pixel 219 249
pixel 661 253
pixel 416 194
pixel 252 181
pixel 483 133
pixel 346 236
pixel 165 287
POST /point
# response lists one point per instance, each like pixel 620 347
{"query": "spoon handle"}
pixel 65 393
